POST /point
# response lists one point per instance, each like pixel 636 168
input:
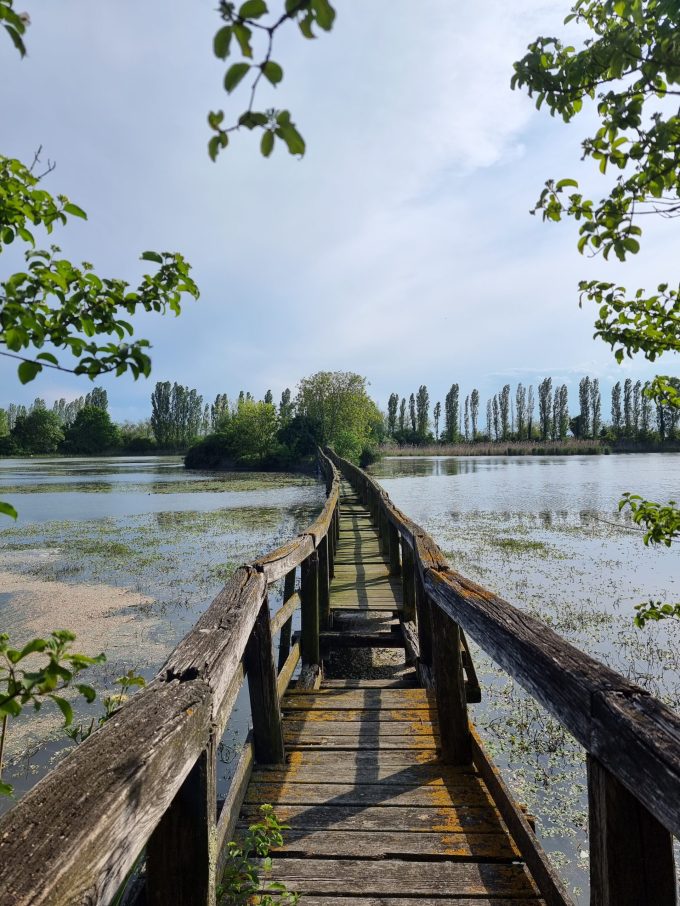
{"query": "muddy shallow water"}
pixel 127 553
pixel 545 534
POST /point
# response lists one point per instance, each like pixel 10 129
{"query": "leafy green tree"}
pixel 339 402
pixel 628 406
pixel 38 432
pixel 521 409
pixel 544 411
pixel 402 415
pixel 617 416
pixel 253 430
pixel 413 418
pixel 286 407
pixel 637 394
pixel 474 412
pixel 97 397
pixel 645 411
pixel 4 423
pixel 530 412
pixel 495 409
pixel 219 411
pixel 451 413
pixel 422 411
pixel 269 397
pixel 504 407
pixel 596 407
pixel 438 415
pixel 585 403
pixel 392 405
pixel 92 432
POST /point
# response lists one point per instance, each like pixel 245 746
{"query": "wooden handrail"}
pixel 150 770
pixel 632 739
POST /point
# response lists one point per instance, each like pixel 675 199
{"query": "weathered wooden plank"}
pixel 631 853
pixel 310 610
pixel 407 681
pixel 373 697
pixel 478 818
pixel 129 773
pixel 375 794
pixel 286 672
pixel 329 900
pixel 542 871
pixel 324 584
pixel 337 770
pixel 264 696
pixel 354 743
pixel 356 639
pixel 287 625
pixel 447 668
pixel 371 759
pixel 275 565
pixel 396 845
pixel 285 612
pixel 387 876
pixel 372 715
pixel 228 817
pixel 365 731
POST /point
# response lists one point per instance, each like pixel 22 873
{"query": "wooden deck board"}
pixel 375 818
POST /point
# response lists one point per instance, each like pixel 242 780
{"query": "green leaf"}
pixel 48 357
pixel 563 183
pixel 8 510
pixel 292 138
pixel 325 14
pixel 28 370
pixel 152 256
pixel 74 210
pixel 221 42
pixel 272 71
pixel 35 645
pixel 267 143
pixel 235 75
pixel 243 35
pixel 87 692
pixel 253 9
pixel 64 707
pixel 6 789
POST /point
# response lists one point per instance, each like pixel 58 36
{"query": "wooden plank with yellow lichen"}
pixel 387 795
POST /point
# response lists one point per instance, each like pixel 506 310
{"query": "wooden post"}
pixel 407 581
pixel 332 547
pixel 287 628
pixel 447 666
pixel 264 696
pixel 324 584
pixel 384 531
pixel 631 853
pixel 309 641
pixel 393 535
pixel 180 854
pixel 423 612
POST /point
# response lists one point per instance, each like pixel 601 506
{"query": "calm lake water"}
pixel 129 552
pixel 545 534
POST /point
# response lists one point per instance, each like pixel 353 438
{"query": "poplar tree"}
pixel 98 398
pixel 451 413
pixel 585 403
pixel 422 410
pixel 286 407
pixel 563 412
pixel 596 406
pixel 402 415
pixel 474 411
pixel 628 405
pixel 530 411
pixel 467 418
pixel 269 398
pixel 412 412
pixel 437 416
pixel 219 410
pixel 504 406
pixel 496 418
pixel 488 420
pixel 617 418
pixel 521 409
pixel 645 410
pixel 392 406
pixel 544 401
pixel 636 406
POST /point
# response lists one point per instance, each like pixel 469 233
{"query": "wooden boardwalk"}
pixel 376 818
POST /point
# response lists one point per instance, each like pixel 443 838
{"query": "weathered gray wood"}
pixel 365 697
pixel 393 542
pixel 324 584
pixel 424 621
pixel 408 580
pixel 374 794
pixel 631 853
pixel 129 772
pixel 287 626
pixel 288 669
pixel 274 566
pixel 286 611
pixel 549 883
pixel 353 639
pixel 382 900
pixel 228 817
pixel 310 610
pixel 264 696
pixel 181 855
pixel 447 667
pixel 415 879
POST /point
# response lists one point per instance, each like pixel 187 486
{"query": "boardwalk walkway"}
pixel 375 816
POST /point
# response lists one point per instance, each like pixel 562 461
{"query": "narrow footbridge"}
pixel 389 795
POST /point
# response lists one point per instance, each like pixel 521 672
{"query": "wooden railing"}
pixel 146 780
pixel 632 740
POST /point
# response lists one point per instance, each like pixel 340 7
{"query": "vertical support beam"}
pixel 407 581
pixel 324 584
pixel 309 640
pixel 332 546
pixel 287 628
pixel 447 666
pixel 631 853
pixel 264 697
pixel 180 854
pixel 383 526
pixel 395 562
pixel 423 612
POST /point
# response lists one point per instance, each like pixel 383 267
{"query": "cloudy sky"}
pixel 400 246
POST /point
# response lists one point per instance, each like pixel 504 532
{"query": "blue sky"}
pixel 399 247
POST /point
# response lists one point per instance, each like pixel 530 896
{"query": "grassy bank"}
pixel 521 448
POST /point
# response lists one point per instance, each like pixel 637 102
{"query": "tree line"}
pixel 529 414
